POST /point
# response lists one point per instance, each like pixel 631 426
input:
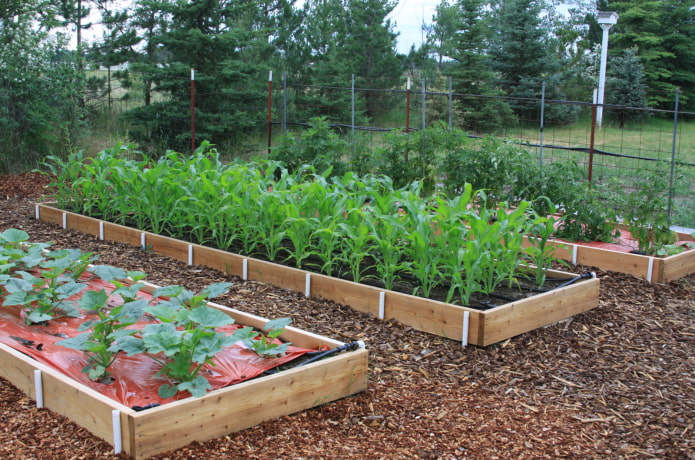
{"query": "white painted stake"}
pixel 37 213
pixel 245 269
pixel 307 285
pixel 117 441
pixel 190 254
pixel 38 383
pixel 382 298
pixel 650 268
pixel 574 254
pixel 142 241
pixel 466 320
pixel 65 221
pixel 101 230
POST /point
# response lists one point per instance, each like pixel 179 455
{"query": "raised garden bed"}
pixel 178 422
pixel 468 325
pixel 618 258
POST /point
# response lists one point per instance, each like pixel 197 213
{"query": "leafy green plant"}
pixel 45 293
pixel 264 344
pixel 540 254
pixel 104 330
pixel 183 342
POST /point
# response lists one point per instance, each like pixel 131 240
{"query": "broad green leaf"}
pixel 167 391
pixel 129 344
pixel 97 372
pixel 70 288
pixel 108 273
pixel 162 312
pixel 131 311
pixel 18 285
pixel 16 298
pixel 93 300
pixel 209 317
pixel 79 342
pixel 162 338
pixel 215 290
pixel 196 387
pixel 38 317
pixel 14 236
pixel 167 291
pixel 278 323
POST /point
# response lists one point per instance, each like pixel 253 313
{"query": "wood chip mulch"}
pixel 615 382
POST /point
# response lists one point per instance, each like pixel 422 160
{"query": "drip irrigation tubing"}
pixel 318 355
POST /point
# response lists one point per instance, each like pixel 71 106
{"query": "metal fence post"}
pixel 451 104
pixel 192 111
pixel 353 112
pixel 540 149
pixel 270 108
pixel 284 104
pixel 673 157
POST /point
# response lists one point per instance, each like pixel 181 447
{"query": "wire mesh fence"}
pixel 555 123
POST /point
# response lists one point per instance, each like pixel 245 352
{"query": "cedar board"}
pixel 439 318
pixel 662 270
pixel 219 412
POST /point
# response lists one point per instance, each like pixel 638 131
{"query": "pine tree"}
pixel 625 86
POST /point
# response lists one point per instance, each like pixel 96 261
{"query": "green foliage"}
pixel 264 344
pixel 44 292
pixel 318 146
pixel 40 89
pixel 626 87
pixel 643 206
pixel 104 330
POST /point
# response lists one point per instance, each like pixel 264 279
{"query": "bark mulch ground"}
pixel 615 382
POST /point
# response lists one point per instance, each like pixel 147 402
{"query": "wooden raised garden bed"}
pixel 142 434
pixel 470 326
pixel 651 268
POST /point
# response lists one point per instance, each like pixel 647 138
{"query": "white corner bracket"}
pixel 117 438
pixel 38 384
pixel 466 323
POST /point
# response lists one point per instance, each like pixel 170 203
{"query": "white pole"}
pixel 38 384
pixel 602 73
pixel 117 439
pixel 307 285
pixel 382 302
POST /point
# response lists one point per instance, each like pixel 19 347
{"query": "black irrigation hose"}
pixel 583 276
pixel 346 347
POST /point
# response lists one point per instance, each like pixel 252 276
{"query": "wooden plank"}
pixel 84 406
pixel 122 234
pixel 607 259
pixel 226 262
pixel 677 266
pixel 277 275
pixel 170 247
pixel 358 296
pixel 528 314
pixel 50 214
pixel 246 404
pixel 82 224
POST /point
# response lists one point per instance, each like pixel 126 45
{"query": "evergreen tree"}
pixel 40 87
pixel 625 86
pixel 215 38
pixel 664 34
pixel 468 31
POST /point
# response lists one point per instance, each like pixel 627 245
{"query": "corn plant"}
pixel 355 244
pixel 387 231
pixel 540 255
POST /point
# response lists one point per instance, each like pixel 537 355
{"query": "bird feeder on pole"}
pixel 606 20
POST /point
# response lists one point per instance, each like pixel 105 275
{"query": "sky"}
pixel 408 17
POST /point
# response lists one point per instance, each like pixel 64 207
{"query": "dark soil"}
pixel 615 382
